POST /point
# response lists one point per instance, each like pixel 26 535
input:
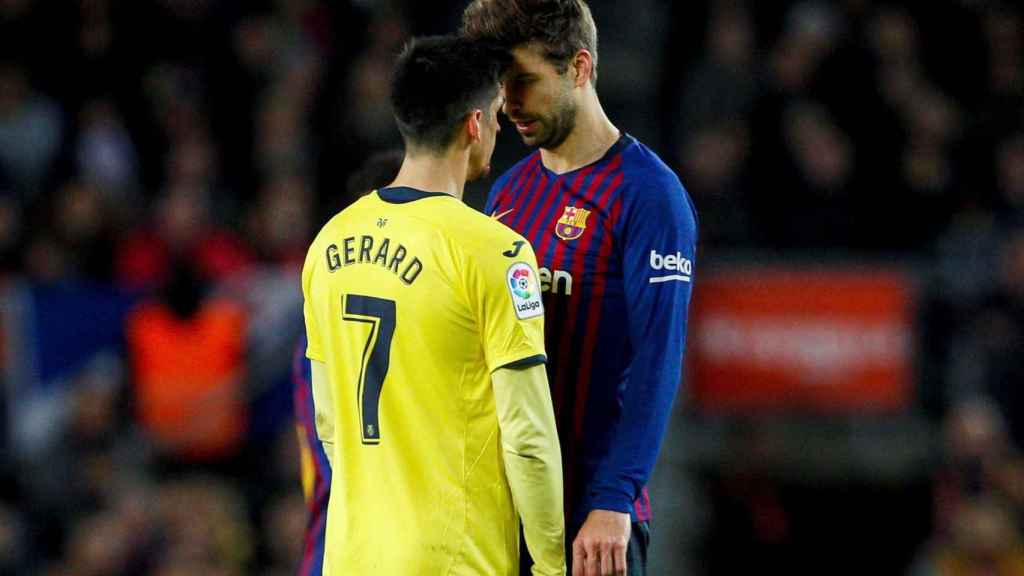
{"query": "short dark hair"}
pixel 561 27
pixel 437 80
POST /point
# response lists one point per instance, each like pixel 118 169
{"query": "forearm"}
pixel 658 330
pixel 533 462
pixel 646 409
pixel 659 270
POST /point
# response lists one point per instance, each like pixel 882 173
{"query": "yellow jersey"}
pixel 412 299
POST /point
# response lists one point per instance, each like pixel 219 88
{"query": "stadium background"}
pixel 852 402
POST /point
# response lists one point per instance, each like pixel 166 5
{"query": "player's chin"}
pixel 532 141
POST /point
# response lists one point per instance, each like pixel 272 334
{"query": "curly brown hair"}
pixel 560 27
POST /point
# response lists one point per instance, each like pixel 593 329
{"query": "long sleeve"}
pixel 658 235
pixel 533 461
pixel 323 406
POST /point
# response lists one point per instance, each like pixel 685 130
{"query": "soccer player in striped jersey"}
pixel 615 235
pixel 425 329
pixel 315 469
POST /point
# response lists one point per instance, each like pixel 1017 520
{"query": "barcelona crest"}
pixel 572 223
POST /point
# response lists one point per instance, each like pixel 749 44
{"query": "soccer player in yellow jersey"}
pixel 425 330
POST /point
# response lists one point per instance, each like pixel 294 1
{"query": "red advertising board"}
pixel 830 340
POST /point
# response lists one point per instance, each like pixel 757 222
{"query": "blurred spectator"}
pixel 183 227
pixel 815 166
pixel 379 170
pixel 986 353
pixel 279 224
pixel 12 541
pixel 716 104
pixel 811 33
pixel 31 129
pixel 283 141
pixel 1009 170
pixel 84 223
pixel 105 156
pixel 985 541
pixel 194 410
pixel 204 529
pixel 1004 38
pixel 714 162
pixel 283 528
pixel 976 444
pixel 369 114
pixel 979 506
pixel 11 230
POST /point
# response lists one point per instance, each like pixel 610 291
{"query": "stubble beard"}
pixel 558 127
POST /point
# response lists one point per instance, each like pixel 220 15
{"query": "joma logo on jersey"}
pixel 559 282
pixel 572 223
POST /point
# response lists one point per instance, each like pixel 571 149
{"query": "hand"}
pixel 600 546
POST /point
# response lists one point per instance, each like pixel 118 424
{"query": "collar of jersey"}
pixel 404 194
pixel 623 141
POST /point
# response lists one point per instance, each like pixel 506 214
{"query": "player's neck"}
pixel 429 173
pixel 593 135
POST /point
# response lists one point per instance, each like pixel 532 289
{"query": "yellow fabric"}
pixel 421 489
pixel 533 462
pixel 323 411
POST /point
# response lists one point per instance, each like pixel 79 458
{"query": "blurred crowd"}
pixel 163 165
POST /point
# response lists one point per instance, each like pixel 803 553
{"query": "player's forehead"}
pixel 529 58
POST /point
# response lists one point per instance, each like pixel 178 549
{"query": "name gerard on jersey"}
pixel 375 251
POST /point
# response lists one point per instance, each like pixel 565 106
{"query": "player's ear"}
pixel 473 121
pixel 582 65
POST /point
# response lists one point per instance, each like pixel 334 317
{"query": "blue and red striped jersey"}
pixel 616 244
pixel 316 471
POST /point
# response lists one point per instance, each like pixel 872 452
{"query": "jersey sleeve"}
pixel 658 234
pixel 504 291
pixel 314 347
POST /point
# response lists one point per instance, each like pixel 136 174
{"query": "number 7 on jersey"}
pixel 380 315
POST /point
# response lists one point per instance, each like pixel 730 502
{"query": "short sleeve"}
pixel 314 347
pixel 504 291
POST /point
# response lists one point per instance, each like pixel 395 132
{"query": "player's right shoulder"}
pixel 498 247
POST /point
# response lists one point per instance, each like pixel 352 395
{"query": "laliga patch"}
pixel 524 287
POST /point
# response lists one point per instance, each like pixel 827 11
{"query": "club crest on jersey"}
pixel 525 291
pixel 572 223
